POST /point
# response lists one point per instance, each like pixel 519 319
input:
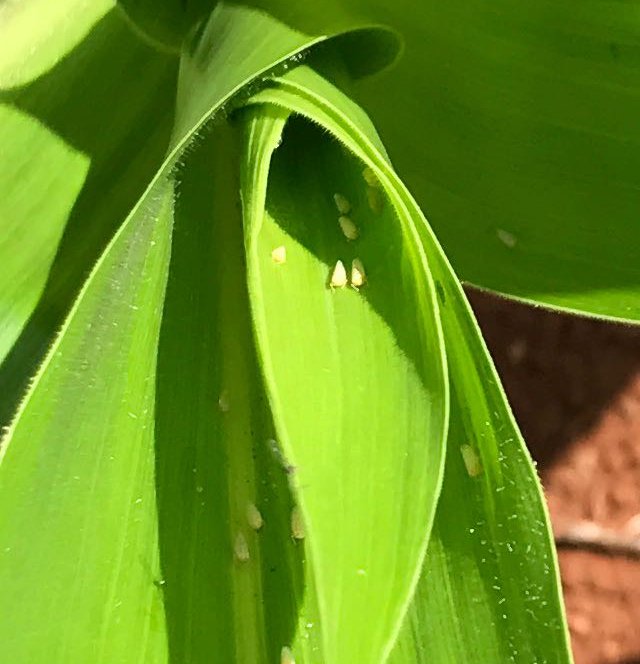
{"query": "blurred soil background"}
pixel 574 386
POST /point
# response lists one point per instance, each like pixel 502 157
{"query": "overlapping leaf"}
pixel 79 553
pixel 80 143
pixel 355 378
pixel 489 586
pixel 148 565
pixel 154 509
pixel 514 120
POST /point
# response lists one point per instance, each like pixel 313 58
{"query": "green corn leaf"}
pixel 232 586
pixel 78 520
pixel 118 585
pixel 37 34
pixel 106 133
pixel 30 238
pixel 131 471
pixel 165 24
pixel 514 125
pixel 489 588
pixel 356 382
pixel 80 143
pixel 519 138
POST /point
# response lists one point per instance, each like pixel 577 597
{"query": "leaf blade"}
pixel 104 456
pixel 375 430
pixel 438 632
pixel 63 126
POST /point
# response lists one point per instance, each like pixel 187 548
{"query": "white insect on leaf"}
pixel 471 460
pixel 254 518
pixel 343 205
pixel 349 229
pixel 297 524
pixel 279 255
pixel 241 548
pixel 370 177
pixel 338 276
pixel 508 239
pixel 375 198
pixel 286 656
pixel 358 275
pixel 223 402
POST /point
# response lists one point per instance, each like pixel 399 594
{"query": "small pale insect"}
pixel 241 548
pixel 370 177
pixel 343 205
pixel 508 239
pixel 279 255
pixel 223 401
pixel 471 460
pixel 275 450
pixel 358 275
pixel 375 199
pixel 297 524
pixel 349 229
pixel 338 276
pixel 286 656
pixel 254 518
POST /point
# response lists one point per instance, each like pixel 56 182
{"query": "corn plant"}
pixel 249 415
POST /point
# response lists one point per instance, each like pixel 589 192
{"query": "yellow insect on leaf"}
pixel 254 518
pixel 286 656
pixel 349 229
pixel 343 205
pixel 375 198
pixel 297 524
pixel 279 255
pixel 358 275
pixel 338 276
pixel 223 402
pixel 241 548
pixel 471 460
pixel 508 239
pixel 370 177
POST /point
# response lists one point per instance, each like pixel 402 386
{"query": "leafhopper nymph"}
pixel 343 205
pixel 223 402
pixel 471 460
pixel 286 656
pixel 297 524
pixel 338 276
pixel 370 177
pixel 254 518
pixel 358 275
pixel 241 548
pixel 375 198
pixel 279 255
pixel 508 239
pixel 349 229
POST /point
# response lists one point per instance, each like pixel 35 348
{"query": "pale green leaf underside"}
pixel 80 143
pixel 37 33
pixel 30 237
pixel 489 589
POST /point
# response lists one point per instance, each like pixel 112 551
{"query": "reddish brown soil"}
pixel 574 386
